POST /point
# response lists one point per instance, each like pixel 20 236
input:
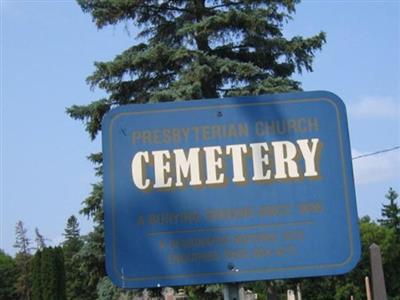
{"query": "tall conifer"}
pixel 391 212
pixel 40 240
pixel 8 276
pixel 52 273
pixel 75 279
pixel 36 276
pixel 22 261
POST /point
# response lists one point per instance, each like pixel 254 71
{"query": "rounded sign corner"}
pixel 355 259
pixel 333 97
pixel 115 278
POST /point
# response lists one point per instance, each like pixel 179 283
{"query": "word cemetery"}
pixel 271 161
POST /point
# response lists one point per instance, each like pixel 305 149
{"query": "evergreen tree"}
pixel 196 49
pixel 73 241
pixel 36 276
pixel 40 240
pixel 22 261
pixel 391 212
pixel 8 276
pixel 60 273
pixel 72 232
pixel 48 274
pixel 52 272
pixel 188 50
pixel 22 242
pixel 91 260
pixel 106 290
pixel 76 280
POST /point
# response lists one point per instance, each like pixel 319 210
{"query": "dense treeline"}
pixel 64 272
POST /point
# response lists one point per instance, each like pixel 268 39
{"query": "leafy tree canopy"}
pixel 8 275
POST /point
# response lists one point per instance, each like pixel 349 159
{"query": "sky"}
pixel 48 49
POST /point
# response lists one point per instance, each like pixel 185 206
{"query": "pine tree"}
pixel 36 276
pixel 60 273
pixel 22 242
pixel 91 261
pixel 8 276
pixel 75 279
pixel 73 241
pixel 189 50
pixel 47 274
pixel 52 273
pixel 22 261
pixel 71 232
pixel 40 240
pixel 391 212
pixel 196 49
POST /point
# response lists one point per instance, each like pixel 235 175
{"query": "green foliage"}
pixel 76 279
pixel 91 260
pixel 71 233
pixel 391 258
pixel 8 276
pixel 93 205
pixel 106 290
pixel 60 271
pixel 22 262
pixel 48 275
pixel 352 283
pixel 342 287
pixel 200 292
pixel 391 212
pixel 23 282
pixel 36 276
pixel 196 49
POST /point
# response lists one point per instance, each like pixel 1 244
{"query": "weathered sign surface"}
pixel 228 190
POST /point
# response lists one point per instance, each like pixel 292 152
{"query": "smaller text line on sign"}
pixel 229 190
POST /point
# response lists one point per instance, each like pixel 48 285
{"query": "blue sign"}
pixel 229 190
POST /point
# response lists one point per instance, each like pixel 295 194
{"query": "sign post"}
pixel 233 291
pixel 228 190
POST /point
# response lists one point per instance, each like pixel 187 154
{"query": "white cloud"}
pixel 377 168
pixel 375 107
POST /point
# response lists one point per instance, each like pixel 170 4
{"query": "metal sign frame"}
pixel 145 252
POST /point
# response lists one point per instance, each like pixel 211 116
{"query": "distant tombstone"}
pixel 169 293
pixel 298 292
pixel 378 280
pixel 249 295
pixel 291 295
pixel 181 295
